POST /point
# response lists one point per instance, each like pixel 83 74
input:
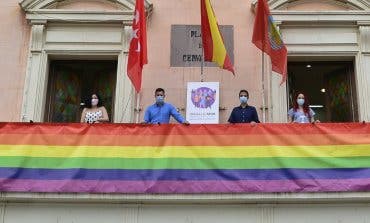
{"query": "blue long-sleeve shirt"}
pixel 244 115
pixel 158 114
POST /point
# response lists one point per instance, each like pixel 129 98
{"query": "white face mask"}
pixel 243 99
pixel 300 101
pixel 94 101
pixel 159 99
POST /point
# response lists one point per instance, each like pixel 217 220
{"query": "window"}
pixel 329 86
pixel 72 82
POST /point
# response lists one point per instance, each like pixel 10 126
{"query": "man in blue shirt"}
pixel 244 113
pixel 160 112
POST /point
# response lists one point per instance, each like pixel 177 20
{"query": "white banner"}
pixel 203 101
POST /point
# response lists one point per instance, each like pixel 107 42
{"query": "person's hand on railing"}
pixel 186 123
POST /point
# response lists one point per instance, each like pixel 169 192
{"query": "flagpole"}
pixel 137 107
pixel 202 66
pixel 263 89
pixel 263 73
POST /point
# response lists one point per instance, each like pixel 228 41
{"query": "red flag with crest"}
pixel 267 38
pixel 137 56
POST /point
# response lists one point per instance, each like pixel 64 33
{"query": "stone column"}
pixel 131 213
pixel 266 214
pixel 36 78
pixel 363 72
pixel 277 95
pixel 125 93
pixel 279 100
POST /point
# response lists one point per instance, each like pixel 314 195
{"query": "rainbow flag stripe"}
pixel 129 158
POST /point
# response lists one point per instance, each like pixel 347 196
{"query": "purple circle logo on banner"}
pixel 203 97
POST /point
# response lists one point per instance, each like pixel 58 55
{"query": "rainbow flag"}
pixel 129 158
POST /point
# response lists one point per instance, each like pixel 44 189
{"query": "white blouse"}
pixel 92 117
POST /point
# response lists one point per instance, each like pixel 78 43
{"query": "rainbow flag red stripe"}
pixel 128 158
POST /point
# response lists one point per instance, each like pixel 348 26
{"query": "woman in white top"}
pixel 94 112
pixel 301 112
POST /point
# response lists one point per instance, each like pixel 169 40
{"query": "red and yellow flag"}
pixel 213 44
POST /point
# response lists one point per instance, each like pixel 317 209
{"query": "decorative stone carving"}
pixel 349 4
pixel 365 38
pixel 45 4
pixel 37 35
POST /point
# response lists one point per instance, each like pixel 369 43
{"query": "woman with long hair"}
pixel 301 112
pixel 94 112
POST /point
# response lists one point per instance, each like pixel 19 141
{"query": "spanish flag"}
pixel 213 44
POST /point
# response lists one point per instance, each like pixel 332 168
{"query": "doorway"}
pixel 71 82
pixel 329 87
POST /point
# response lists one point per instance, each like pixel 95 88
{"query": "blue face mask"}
pixel 243 99
pixel 300 101
pixel 159 99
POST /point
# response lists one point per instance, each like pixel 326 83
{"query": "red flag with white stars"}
pixel 137 56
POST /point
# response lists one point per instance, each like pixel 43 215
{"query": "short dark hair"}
pixel 159 90
pixel 245 91
pixel 88 101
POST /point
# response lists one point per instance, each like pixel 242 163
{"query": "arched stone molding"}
pixel 50 4
pixel 346 4
pixel 81 34
pixel 45 10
